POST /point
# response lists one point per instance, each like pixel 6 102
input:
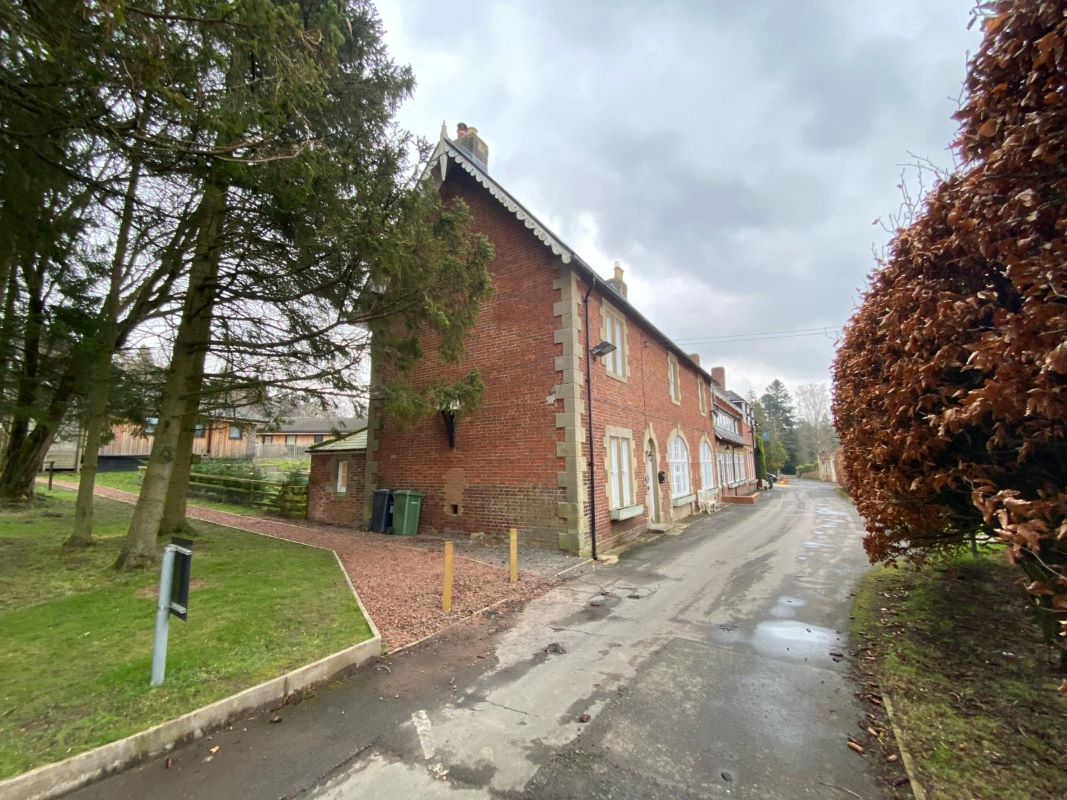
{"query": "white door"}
pixel 652 488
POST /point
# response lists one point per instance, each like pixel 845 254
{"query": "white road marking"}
pixel 421 720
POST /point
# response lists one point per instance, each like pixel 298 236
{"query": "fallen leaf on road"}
pixel 892 757
pixel 857 747
pixel 214 749
pixel 167 763
pixel 275 719
pixel 584 718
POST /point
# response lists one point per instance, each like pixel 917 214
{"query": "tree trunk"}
pixel 23 461
pixel 99 377
pixel 95 424
pixel 178 490
pixel 183 383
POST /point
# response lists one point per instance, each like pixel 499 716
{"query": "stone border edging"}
pixel 52 780
pixel 909 766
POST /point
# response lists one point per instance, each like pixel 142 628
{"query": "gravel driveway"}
pixel 399 580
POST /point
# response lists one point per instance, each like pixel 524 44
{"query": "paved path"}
pixel 703 662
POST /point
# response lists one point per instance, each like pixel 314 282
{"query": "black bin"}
pixel 381 517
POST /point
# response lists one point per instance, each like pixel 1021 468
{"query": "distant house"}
pixel 831 466
pixel 523 458
pixel 734 425
pixel 291 438
pixel 215 437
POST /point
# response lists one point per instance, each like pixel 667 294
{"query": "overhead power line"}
pixel 828 331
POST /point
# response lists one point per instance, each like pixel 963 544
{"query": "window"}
pixel 198 432
pixel 615 332
pixel 678 456
pixel 620 471
pixel 700 396
pixel 268 439
pixel 726 422
pixel 235 432
pixel 707 476
pixel 290 438
pixel 342 477
pixel 150 424
pixel 320 437
pixel 722 469
pixel 672 379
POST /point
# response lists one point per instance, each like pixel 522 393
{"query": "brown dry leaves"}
pixel 951 382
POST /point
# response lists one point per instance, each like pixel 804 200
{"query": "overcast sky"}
pixel 731 155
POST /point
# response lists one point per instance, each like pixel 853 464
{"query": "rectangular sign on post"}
pixel 179 583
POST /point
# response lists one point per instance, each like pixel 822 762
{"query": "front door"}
pixel 651 486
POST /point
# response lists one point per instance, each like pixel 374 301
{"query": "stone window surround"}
pixel 608 311
pixel 677 432
pixel 613 431
pixel 674 379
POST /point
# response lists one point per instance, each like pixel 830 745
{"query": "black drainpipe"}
pixel 589 419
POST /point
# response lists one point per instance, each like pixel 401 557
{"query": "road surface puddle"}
pixel 800 641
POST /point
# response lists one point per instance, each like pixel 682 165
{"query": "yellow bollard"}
pixel 446 594
pixel 513 545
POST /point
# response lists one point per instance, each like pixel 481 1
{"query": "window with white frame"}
pixel 678 457
pixel 615 332
pixel 673 385
pixel 726 422
pixel 620 472
pixel 722 468
pixel 707 474
pixel 342 477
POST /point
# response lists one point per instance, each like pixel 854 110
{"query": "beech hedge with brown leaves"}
pixel 951 380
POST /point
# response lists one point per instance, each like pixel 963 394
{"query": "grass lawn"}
pixel 77 636
pixel 974 688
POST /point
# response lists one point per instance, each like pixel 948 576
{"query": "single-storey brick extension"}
pixel 522 460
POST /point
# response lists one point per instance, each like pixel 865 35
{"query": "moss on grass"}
pixel 957 649
pixel 77 635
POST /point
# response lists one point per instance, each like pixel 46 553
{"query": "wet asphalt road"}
pixel 702 660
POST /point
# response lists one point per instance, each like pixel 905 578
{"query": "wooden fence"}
pixel 282 497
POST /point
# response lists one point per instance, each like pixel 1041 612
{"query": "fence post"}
pixel 446 593
pixel 513 548
pixel 51 473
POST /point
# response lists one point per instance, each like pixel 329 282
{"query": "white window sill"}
pixel 626 512
pixel 683 500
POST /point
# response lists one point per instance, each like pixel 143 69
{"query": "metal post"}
pixel 159 649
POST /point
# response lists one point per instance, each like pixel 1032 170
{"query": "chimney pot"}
pixel 617 283
pixel 468 140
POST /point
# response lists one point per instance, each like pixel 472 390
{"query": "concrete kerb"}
pixel 53 780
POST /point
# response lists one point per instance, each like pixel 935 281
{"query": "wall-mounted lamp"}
pixel 601 349
pixel 448 414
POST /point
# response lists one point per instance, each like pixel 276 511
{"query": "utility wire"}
pixel 828 331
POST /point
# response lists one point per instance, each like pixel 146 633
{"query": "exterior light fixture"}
pixel 448 414
pixel 601 349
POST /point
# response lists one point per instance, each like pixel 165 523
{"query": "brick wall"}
pixel 325 504
pixel 503 470
pixel 520 460
pixel 642 405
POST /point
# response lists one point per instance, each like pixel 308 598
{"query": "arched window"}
pixel 707 475
pixel 678 456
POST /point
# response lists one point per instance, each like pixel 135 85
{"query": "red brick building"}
pixel 522 460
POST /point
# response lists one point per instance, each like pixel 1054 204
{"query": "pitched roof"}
pixel 318 425
pixel 447 150
pixel 350 441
